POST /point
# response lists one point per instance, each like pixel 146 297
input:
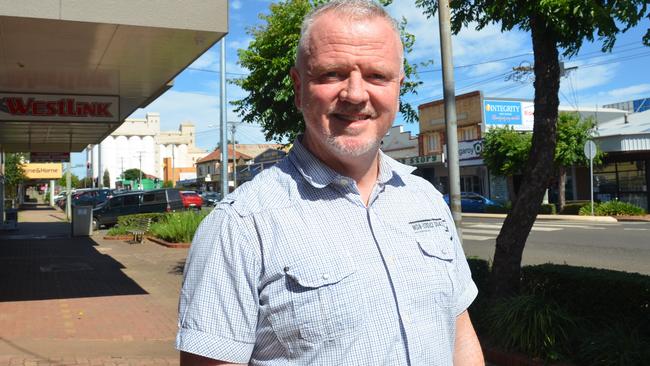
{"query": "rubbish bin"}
pixel 11 214
pixel 82 219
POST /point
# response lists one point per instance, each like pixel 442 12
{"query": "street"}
pixel 622 246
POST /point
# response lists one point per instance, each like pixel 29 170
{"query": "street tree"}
pixel 106 179
pixel 74 181
pixel 554 26
pixel 14 173
pixel 505 153
pixel 133 174
pixel 269 57
pixel 572 134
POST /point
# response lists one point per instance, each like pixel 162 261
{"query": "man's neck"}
pixel 363 169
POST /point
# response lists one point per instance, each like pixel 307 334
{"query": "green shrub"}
pixel 118 230
pixel 616 343
pixel 504 208
pixel 178 227
pixel 612 208
pixel 590 293
pixel 534 325
pixel 547 209
pixel 131 221
pixel 573 208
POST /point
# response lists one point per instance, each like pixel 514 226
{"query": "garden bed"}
pixel 168 244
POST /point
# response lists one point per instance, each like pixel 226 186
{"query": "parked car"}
pixel 473 202
pixel 92 197
pixel 157 200
pixel 191 199
pixel 211 198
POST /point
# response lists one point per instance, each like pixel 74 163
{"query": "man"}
pixel 337 255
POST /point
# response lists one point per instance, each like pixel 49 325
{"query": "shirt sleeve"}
pixel 466 288
pixel 218 305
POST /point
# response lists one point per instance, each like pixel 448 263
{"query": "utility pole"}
pixel 140 181
pixel 223 121
pixel 68 191
pixel 173 166
pixel 122 175
pixel 450 113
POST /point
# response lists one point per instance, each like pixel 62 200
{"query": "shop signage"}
pixel 49 157
pixel 55 108
pixel 468 150
pixel 43 170
pixel 421 160
pixel 516 114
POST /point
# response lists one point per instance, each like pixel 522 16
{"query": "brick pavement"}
pixel 85 301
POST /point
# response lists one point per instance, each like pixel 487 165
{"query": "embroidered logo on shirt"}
pixel 426 225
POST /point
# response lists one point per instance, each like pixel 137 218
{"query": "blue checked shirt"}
pixel 293 269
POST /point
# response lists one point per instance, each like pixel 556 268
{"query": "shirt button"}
pixel 390 259
pixel 343 182
pixel 326 276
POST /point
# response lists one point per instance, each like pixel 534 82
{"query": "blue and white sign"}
pixel 499 112
pixel 516 114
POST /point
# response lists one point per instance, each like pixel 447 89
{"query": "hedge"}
pixel 610 311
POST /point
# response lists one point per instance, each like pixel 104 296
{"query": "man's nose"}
pixel 354 91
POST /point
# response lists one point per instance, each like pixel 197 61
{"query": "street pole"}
pixel 140 181
pixel 100 171
pixel 68 191
pixel 173 167
pixel 234 156
pixel 450 113
pixel 223 121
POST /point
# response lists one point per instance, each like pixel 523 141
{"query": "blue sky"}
pixel 482 60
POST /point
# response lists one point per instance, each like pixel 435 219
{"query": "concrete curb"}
pixel 603 219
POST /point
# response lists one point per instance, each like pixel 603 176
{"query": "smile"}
pixel 352 118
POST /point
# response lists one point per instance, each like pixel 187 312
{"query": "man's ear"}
pixel 295 76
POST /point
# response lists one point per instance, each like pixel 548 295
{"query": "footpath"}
pixel 85 300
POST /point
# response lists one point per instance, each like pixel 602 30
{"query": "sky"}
pixel 482 61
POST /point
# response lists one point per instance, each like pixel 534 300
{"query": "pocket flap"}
pixel 314 275
pixel 437 246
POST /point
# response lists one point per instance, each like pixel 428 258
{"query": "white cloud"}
pixel 491 68
pixel 235 4
pixel 630 92
pixel 208 60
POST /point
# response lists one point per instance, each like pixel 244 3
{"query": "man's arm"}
pixel 190 359
pixel 467 349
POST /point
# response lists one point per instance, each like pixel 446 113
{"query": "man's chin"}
pixel 351 148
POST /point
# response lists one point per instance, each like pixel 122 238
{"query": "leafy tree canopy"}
pixel 133 174
pixel 505 151
pixel 572 134
pixel 14 173
pixel 570 21
pixel 106 179
pixel 270 56
pixel 74 181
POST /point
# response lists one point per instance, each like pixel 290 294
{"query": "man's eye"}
pixel 331 74
pixel 378 76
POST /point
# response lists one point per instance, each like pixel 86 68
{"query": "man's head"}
pixel 347 78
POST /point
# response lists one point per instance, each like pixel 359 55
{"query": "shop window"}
pixel 467 133
pixel 433 143
pixel 471 183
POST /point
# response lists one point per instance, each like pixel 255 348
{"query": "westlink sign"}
pixel 43 171
pixel 54 108
pixel 421 160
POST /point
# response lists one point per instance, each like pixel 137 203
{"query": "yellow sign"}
pixel 43 170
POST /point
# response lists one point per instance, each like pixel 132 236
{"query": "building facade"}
pixel 476 115
pixel 399 144
pixel 138 143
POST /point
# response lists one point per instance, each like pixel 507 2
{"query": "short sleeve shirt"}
pixel 293 269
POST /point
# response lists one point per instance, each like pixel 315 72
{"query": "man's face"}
pixel 347 86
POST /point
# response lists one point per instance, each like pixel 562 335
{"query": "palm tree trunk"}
pixel 506 269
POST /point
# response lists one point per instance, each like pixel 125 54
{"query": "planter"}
pixel 168 244
pixel 118 237
pixel 498 357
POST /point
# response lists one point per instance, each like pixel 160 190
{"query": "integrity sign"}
pixel 58 108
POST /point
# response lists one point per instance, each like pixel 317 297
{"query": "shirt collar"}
pixel 320 175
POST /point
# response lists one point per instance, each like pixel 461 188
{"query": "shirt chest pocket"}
pixel 324 302
pixel 438 258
